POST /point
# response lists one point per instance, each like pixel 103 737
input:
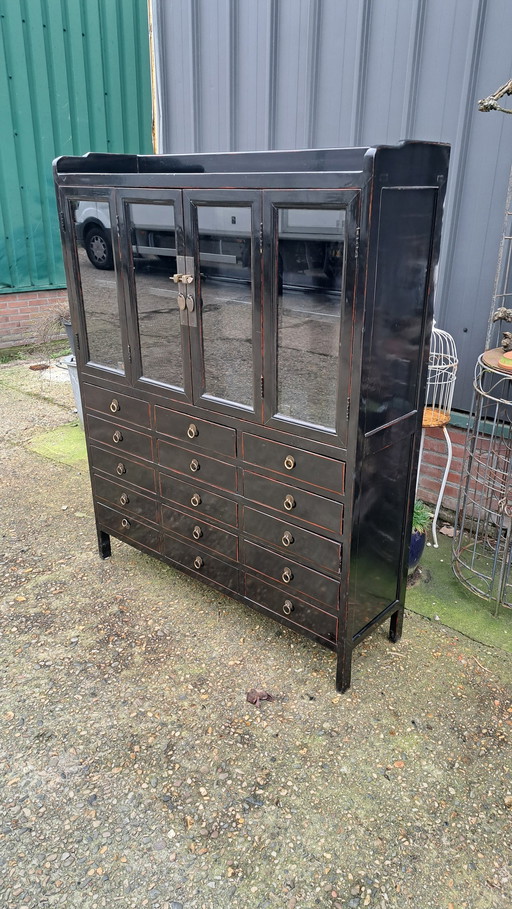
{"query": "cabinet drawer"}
pixel 196 530
pixel 296 578
pixel 298 543
pixel 198 466
pixel 326 473
pixel 125 500
pixel 117 465
pixel 129 440
pixel 125 526
pixel 297 504
pixel 196 432
pixel 201 562
pixel 202 502
pixel 123 407
pixel 290 608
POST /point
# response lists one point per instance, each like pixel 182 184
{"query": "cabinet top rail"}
pixel 319 159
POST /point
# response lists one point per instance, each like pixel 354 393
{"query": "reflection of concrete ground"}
pixel 308 342
pixel 99 291
pixel 308 337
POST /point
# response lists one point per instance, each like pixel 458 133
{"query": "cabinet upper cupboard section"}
pixel 239 301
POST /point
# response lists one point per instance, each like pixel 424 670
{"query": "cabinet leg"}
pixel 104 544
pixel 396 624
pixel 344 668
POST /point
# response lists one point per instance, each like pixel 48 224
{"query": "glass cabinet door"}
pixel 102 328
pixel 222 237
pixel 307 335
pixel 152 239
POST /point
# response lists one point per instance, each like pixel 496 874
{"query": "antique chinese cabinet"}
pixel 252 335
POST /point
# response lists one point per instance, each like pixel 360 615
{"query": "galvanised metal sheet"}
pixel 258 74
pixel 74 77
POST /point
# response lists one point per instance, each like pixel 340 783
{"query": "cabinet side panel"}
pixel 378 543
pixel 393 357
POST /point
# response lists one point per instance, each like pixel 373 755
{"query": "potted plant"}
pixel 420 522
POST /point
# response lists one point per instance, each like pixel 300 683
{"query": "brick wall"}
pixel 21 314
pixel 433 464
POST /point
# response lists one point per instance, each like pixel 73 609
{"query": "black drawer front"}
pixel 120 438
pixel 296 504
pixel 294 577
pixel 125 526
pixel 325 473
pixel 197 466
pixel 125 499
pixel 295 541
pixel 120 467
pixel 201 562
pixel 200 433
pixel 120 407
pixel 200 532
pixel 298 614
pixel 200 501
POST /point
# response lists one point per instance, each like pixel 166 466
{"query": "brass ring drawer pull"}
pixel 120 469
pixel 117 437
pixel 287 538
pixel 115 405
pixel 194 465
pixel 192 431
pixel 197 532
pixel 289 503
pixel 124 499
pixel 195 500
pixel 287 575
pixel 287 607
pixel 125 523
pixel 289 462
pixel 198 562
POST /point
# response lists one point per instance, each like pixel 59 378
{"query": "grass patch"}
pixel 66 445
pixel 439 593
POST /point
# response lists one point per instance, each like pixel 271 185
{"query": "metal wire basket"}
pixel 442 373
pixel 482 545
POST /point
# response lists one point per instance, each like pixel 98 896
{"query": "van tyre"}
pixel 99 248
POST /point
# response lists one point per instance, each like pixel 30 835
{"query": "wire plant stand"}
pixel 482 545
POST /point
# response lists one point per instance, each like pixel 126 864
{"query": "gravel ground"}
pixel 135 773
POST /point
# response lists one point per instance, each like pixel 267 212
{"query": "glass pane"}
pixel 309 276
pixel 153 240
pixel 98 279
pixel 226 297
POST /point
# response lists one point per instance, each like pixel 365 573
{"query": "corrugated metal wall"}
pixel 74 77
pixel 258 74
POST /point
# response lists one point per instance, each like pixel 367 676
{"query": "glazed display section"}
pixel 252 336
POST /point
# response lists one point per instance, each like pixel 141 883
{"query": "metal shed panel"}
pixel 239 74
pixel 74 77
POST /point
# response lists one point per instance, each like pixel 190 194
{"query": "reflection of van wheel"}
pixel 98 248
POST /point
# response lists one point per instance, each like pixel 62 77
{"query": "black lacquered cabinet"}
pixel 252 336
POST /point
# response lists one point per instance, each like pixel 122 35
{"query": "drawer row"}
pixel 255 577
pixel 298 505
pixel 201 447
pixel 289 541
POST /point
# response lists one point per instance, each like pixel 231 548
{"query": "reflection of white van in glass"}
pixel 309 240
